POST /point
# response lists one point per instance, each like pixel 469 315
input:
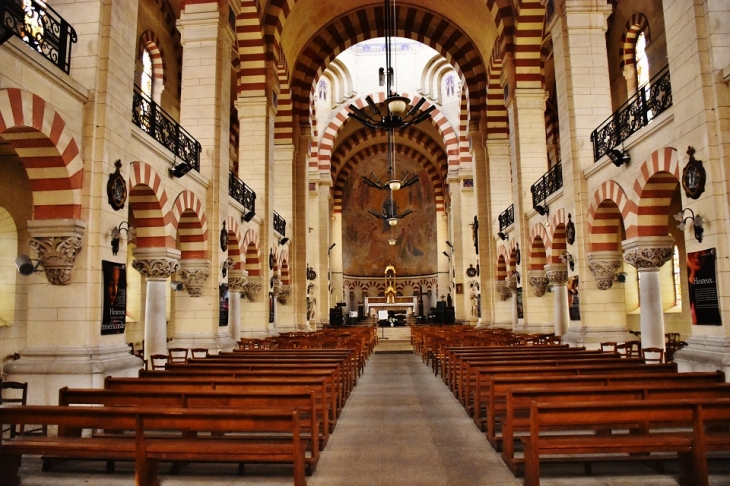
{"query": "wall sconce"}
pixel 247 216
pixel 542 209
pixel 502 235
pixel 518 254
pixel 25 265
pixel 227 265
pixel 696 222
pixel 515 275
pixel 619 157
pixel 283 241
pixel 116 235
pixel 566 257
pixel 180 170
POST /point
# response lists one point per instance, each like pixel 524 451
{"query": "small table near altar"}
pixel 374 304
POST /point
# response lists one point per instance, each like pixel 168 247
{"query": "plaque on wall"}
pixel 693 176
pixel 116 188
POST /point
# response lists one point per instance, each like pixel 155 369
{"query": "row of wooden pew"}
pixel 541 404
pixel 245 406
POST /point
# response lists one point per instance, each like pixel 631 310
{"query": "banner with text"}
pixel 703 302
pixel 114 312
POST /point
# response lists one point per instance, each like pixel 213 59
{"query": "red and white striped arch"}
pixel 235 242
pixel 502 259
pixel 251 50
pixel 149 40
pixel 437 119
pixel 188 215
pixel 150 206
pixel 283 123
pixel 539 242
pixel 253 253
pixel 610 207
pixel 658 179
pixel 497 126
pixel 636 24
pixel 464 153
pixel 49 153
pixel 557 240
pixel 284 267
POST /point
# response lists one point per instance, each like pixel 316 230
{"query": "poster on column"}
pixel 222 305
pixel 573 298
pixel 271 307
pixel 703 303
pixel 520 310
pixel 114 310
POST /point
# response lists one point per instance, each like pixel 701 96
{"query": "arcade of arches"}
pixel 549 175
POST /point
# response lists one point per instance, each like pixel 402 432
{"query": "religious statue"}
pixel 390 287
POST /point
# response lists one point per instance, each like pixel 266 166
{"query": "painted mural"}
pixel 366 251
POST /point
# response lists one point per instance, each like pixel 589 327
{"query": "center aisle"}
pixel 402 426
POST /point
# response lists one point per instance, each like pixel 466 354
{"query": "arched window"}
pixel 146 80
pixel 676 273
pixel 641 60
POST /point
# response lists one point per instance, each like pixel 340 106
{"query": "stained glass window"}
pixel 146 81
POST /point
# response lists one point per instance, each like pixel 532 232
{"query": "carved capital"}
pixel 252 288
pixel 604 265
pixel 557 277
pixel 648 252
pixel 57 243
pixel 194 273
pixel 159 268
pixel 284 294
pixel 502 290
pixel 538 281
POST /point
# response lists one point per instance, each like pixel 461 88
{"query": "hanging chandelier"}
pixel 391 183
pixel 390 214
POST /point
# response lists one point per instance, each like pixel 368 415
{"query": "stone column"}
pixel 557 275
pixel 157 265
pixel 236 282
pixel 512 286
pixel 456 220
pixel 648 254
pixel 56 242
pixel 487 252
pixel 500 196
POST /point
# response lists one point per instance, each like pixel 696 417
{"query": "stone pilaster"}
pixel 648 254
pixel 557 275
pixel 236 282
pixel 57 243
pixel 194 273
pixel 156 265
pixel 603 265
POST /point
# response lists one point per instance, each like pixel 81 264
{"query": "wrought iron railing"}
pixel 279 224
pixel 651 100
pixel 507 217
pixel 163 128
pixel 39 26
pixel 550 182
pixel 239 191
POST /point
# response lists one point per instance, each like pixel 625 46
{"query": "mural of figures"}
pixel 365 238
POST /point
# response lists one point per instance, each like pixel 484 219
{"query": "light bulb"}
pixel 394 184
pixel 397 105
pixel 392 242
pixel 392 221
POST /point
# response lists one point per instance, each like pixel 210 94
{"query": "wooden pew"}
pixel 519 401
pixel 311 417
pixel 495 404
pixel 323 389
pixel 644 443
pixel 202 437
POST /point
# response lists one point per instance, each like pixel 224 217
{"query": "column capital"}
pixel 57 242
pixel 538 281
pixel 603 265
pixel 557 273
pixel 193 273
pixel 156 263
pixel 252 288
pixel 236 283
pixel 648 252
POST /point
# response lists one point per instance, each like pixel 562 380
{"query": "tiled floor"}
pixel 401 426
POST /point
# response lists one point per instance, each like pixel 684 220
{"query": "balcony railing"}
pixel 507 217
pixel 163 128
pixel 279 224
pixel 239 191
pixel 651 100
pixel 550 182
pixel 39 26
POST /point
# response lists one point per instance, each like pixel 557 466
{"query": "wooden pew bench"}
pixel 517 417
pixel 682 434
pixel 310 415
pixel 203 435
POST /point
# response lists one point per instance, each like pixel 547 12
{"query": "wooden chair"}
pixel 157 362
pixel 633 349
pixel 671 337
pixel 199 353
pixel 622 349
pixel 177 355
pixel 609 347
pixel 20 392
pixel 655 355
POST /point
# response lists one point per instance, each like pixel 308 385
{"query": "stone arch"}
pixel 654 186
pixel 253 253
pixel 497 120
pixel 284 267
pixel 635 25
pixel 149 41
pixel 235 242
pixel 557 240
pixel 539 242
pixel 251 50
pixel 438 119
pixel 40 137
pixel 149 205
pixel 610 206
pixel 191 225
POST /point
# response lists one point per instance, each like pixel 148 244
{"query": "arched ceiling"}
pixel 313 36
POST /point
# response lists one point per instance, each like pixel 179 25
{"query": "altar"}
pixel 374 304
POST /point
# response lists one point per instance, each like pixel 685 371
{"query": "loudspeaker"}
pixel 24 265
